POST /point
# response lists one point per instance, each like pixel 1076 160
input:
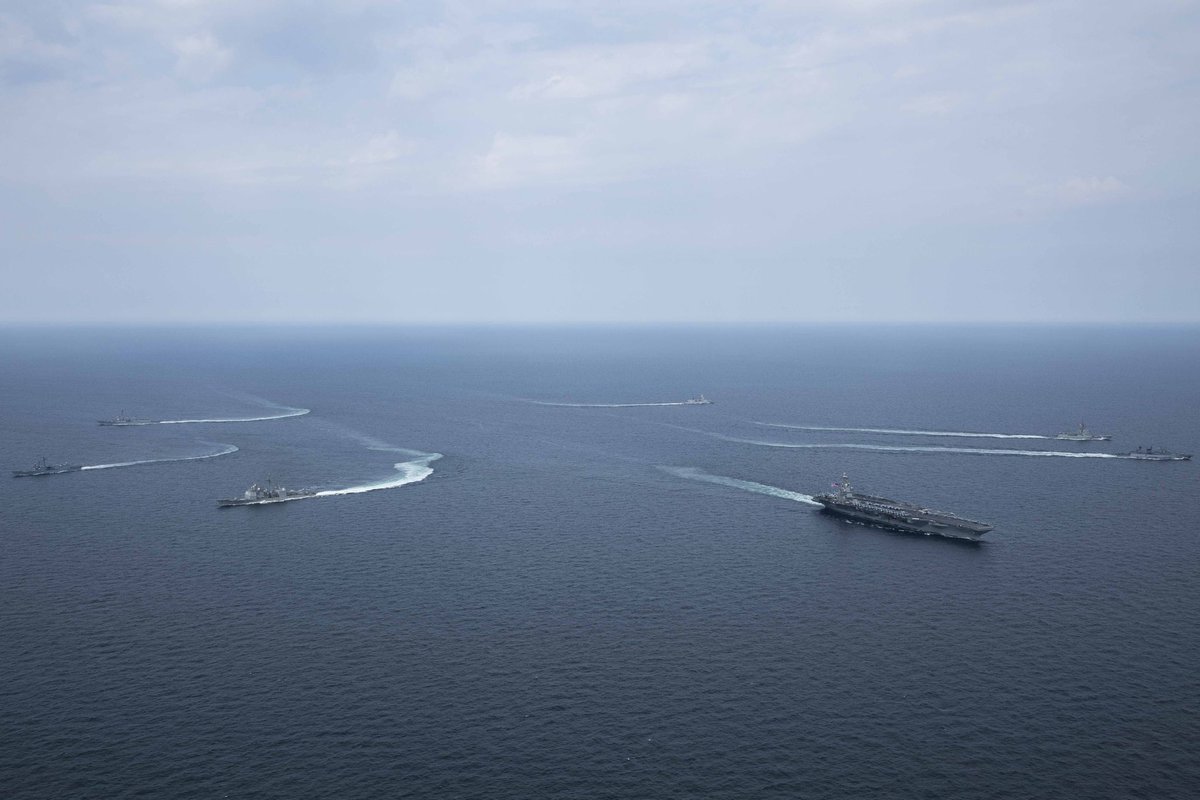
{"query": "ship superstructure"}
pixel 897 515
pixel 259 496
pixel 1083 435
pixel 45 468
pixel 1156 454
pixel 121 420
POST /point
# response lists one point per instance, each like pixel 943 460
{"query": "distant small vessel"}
pixel 1152 454
pixel 121 419
pixel 44 468
pixel 1082 435
pixel 700 400
pixel 897 515
pixel 258 496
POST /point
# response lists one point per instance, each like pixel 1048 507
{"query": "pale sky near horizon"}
pixel 558 161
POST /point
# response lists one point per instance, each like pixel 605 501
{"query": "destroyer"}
pixel 698 401
pixel 43 468
pixel 1152 454
pixel 1083 435
pixel 121 420
pixel 258 496
pixel 896 515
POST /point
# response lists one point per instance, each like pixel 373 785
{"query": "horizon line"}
pixel 114 324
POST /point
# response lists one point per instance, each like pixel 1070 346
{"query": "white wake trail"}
pixel 694 474
pixel 904 432
pixel 413 471
pixel 287 412
pixel 229 448
pixel 979 451
pixel 611 405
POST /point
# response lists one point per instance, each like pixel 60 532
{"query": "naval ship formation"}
pixel 897 515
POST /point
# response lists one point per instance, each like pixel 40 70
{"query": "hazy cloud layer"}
pixel 599 161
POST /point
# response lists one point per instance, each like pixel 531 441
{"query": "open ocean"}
pixel 521 583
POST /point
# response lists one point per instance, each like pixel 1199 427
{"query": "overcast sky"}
pixel 586 161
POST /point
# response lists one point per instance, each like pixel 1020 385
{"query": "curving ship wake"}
pixel 413 471
pixel 226 450
pixel 285 412
pixel 905 432
pixel 979 451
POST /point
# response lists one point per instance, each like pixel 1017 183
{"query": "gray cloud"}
pixel 588 161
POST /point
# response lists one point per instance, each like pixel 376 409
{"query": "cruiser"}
pixel 698 401
pixel 896 515
pixel 1083 435
pixel 121 419
pixel 258 496
pixel 1151 454
pixel 42 468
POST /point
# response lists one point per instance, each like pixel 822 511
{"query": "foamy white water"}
pixel 904 432
pixel 229 448
pixel 413 471
pixel 695 474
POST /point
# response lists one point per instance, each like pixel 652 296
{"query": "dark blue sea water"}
pixel 572 604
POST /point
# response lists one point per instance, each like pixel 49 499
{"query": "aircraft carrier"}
pixel 896 515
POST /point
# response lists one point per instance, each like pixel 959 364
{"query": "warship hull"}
pixel 895 515
pixel 1157 456
pixel 54 470
pixel 266 501
pixel 258 496
pixel 907 524
pixel 1082 435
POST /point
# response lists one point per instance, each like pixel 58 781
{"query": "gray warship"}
pixel 1155 454
pixel 701 400
pixel 896 515
pixel 258 496
pixel 122 420
pixel 44 468
pixel 1083 435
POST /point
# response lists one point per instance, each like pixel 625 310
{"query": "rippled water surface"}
pixel 531 573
